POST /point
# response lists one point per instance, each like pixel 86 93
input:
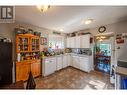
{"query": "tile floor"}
pixel 71 78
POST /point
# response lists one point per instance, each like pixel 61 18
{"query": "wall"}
pixel 7 31
pixel 45 32
pixel 119 27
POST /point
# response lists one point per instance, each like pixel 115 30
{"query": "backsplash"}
pixel 83 51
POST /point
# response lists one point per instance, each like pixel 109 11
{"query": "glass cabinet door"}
pixel 35 44
pixel 22 44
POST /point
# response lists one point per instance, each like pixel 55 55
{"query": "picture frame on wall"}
pixel 43 41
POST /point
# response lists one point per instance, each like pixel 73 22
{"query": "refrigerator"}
pixel 5 63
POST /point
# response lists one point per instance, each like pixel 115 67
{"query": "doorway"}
pixel 103 53
pixel 103 57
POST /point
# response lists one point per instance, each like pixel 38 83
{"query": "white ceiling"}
pixel 70 18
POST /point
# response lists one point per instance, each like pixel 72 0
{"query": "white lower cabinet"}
pixel 65 62
pixel 59 62
pixel 85 64
pixel 69 60
pixel 76 62
pixel 49 66
pixel 82 63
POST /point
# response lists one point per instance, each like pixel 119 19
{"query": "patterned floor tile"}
pixel 71 78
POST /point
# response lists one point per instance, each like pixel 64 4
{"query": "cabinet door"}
pixel 49 66
pixel 22 71
pixel 59 62
pixel 77 42
pixel 35 43
pixel 36 68
pixel 85 41
pixel 69 60
pixel 68 42
pixel 22 44
pixel 65 63
pixel 84 64
pixel 76 62
pixel 18 72
pixel 72 42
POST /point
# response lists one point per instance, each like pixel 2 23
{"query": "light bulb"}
pixel 43 8
pixel 88 21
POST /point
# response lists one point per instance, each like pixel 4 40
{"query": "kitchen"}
pixel 59 57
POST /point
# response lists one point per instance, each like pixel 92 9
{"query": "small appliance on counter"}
pixel 67 50
pixel 82 51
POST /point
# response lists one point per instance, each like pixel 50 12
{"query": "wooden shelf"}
pixel 32 60
pixel 24 67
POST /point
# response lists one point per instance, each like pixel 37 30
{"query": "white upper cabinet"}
pixel 68 43
pixel 82 41
pixel 85 41
pixel 77 42
pixel 71 42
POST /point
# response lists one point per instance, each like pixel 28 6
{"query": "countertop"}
pixel 73 54
pixel 121 70
pixel 122 60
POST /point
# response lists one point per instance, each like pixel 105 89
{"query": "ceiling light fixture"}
pixel 61 30
pixel 43 8
pixel 88 21
pixel 101 38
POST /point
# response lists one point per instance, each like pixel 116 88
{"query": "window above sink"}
pixel 56 41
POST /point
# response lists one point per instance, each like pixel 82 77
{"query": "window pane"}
pixel 56 42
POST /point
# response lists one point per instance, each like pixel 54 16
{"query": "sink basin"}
pixel 122 64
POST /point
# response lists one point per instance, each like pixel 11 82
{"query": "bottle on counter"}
pixel 18 57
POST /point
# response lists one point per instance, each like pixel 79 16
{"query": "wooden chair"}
pixel 30 82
